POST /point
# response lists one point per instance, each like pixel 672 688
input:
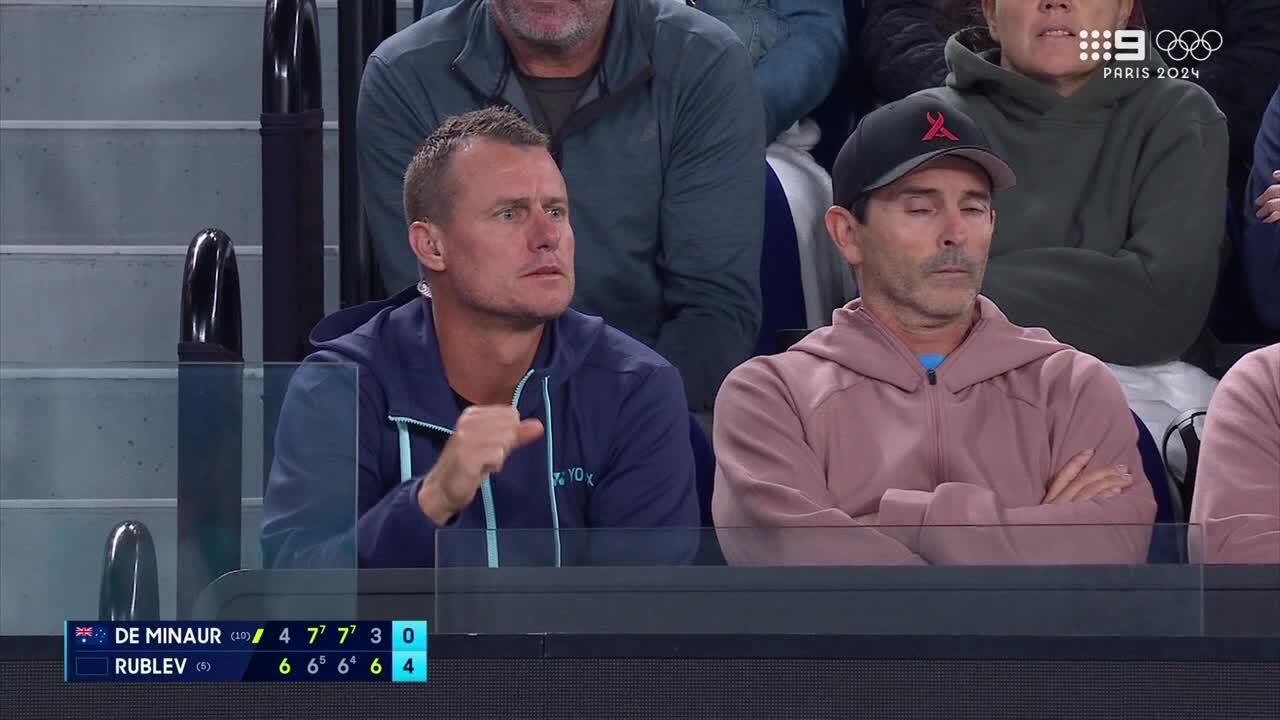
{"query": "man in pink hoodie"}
pixel 1237 500
pixel 922 427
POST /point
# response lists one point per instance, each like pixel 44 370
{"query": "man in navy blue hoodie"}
pixel 484 402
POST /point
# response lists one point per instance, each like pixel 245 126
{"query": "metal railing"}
pixel 130 584
pixel 292 196
pixel 210 417
pixel 292 179
pixel 210 315
pixel 211 344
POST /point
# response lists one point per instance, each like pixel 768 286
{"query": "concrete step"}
pixel 84 448
pixel 139 183
pixel 79 305
pixel 125 127
pixel 145 59
pixel 106 432
pixel 52 556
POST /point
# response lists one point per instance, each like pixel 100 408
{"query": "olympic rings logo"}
pixel 1179 46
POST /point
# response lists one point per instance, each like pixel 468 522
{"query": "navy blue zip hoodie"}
pixel 615 453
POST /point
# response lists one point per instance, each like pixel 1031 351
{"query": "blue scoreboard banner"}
pixel 98 651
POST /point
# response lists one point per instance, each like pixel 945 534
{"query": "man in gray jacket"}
pixel 657 126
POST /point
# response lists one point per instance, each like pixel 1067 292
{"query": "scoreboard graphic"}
pixel 98 651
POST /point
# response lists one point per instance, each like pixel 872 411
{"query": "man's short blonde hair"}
pixel 427 187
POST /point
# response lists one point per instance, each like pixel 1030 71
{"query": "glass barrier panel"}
pixel 104 467
pixel 997 580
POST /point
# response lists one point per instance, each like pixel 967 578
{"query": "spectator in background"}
pixel 1260 247
pixel 902 45
pixel 487 387
pixel 922 408
pixel 657 126
pixel 1112 239
pixel 799 48
pixel 1237 495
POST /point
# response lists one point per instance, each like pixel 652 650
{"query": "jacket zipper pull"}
pixel 933 377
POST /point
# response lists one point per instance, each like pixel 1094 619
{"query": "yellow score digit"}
pixel 315 632
pixel 345 630
pixel 284 666
pixel 375 667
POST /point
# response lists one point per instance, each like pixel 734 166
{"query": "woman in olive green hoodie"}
pixel 1111 239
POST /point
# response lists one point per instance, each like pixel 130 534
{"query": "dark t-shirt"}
pixel 553 100
pixel 462 402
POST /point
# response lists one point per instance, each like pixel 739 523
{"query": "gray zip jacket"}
pixel 663 158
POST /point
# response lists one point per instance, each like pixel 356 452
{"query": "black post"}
pixel 292 198
pixel 292 180
pixel 211 301
pixel 130 588
pixel 210 417
pixel 361 27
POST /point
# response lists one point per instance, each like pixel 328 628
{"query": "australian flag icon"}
pixel 95 635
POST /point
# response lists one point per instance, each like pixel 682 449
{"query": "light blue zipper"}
pixel 402 423
pixel 486 490
pixel 406 474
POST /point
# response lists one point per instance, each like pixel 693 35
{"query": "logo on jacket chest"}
pixel 573 475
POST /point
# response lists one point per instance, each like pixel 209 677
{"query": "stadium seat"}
pixel 1168 542
pixel 784 339
pixel 704 461
pixel 781 287
pixel 1182 487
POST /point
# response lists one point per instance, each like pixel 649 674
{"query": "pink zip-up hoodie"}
pixel 1237 501
pixel 847 435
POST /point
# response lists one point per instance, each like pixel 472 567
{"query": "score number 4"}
pixel 314 630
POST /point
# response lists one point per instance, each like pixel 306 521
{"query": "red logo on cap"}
pixel 936 128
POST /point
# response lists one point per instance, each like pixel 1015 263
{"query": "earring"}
pixel 423 289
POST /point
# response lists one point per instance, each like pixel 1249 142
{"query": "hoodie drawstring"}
pixel 490 523
pixel 406 461
pixel 551 475
pixel 486 490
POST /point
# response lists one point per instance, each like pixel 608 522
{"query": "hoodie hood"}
pixel 400 332
pixel 994 346
pixel 1020 96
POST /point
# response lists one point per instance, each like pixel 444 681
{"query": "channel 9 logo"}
pixel 1131 45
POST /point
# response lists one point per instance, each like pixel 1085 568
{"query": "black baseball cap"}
pixel 899 137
